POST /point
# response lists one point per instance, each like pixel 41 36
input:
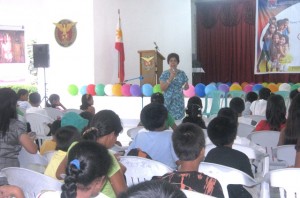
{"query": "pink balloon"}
pixel 126 90
pixel 248 88
pixel 190 92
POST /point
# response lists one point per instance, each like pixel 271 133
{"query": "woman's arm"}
pixel 118 183
pixel 61 168
pixel 281 137
pixel 28 143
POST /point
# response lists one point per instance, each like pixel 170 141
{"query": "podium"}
pixel 151 66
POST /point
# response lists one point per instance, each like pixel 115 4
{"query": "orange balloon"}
pixel 244 84
pixel 273 87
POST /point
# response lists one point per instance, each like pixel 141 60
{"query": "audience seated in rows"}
pixel 189 144
pixel 194 112
pixel 275 115
pixel 157 143
pixel 250 97
pixel 259 106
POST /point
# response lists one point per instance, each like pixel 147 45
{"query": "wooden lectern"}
pixel 151 66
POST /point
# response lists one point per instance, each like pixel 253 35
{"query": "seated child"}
pixel 222 131
pixel 189 144
pixel 194 112
pixel 237 105
pixel 87 103
pixel 23 99
pixel 250 97
pixel 50 145
pixel 64 137
pixel 157 143
pixel 54 102
pixel 259 106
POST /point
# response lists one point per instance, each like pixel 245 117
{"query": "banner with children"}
pixel 277 47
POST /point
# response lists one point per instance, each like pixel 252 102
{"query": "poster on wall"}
pixel 277 36
pixel 12 47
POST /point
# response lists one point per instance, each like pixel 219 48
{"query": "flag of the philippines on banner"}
pixel 120 47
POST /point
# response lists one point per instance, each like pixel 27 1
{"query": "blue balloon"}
pixel 209 88
pixel 257 87
pixel 200 90
pixel 147 90
pixel 83 89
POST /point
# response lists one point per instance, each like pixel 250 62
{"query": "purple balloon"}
pixel 135 90
pixel 223 87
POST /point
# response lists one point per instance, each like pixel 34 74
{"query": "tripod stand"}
pixel 45 89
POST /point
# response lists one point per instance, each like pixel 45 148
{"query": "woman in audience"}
pixel 13 134
pixel 194 112
pixel 54 102
pixel 105 128
pixel 87 102
pixel 275 114
pixel 87 167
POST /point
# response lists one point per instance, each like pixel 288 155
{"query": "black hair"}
pixel 93 163
pixel 8 108
pixel 103 123
pixel 35 98
pixel 194 115
pixel 154 116
pixel 52 98
pixel 153 189
pixel 65 136
pixel 188 141
pixel 292 129
pixel 56 124
pixel 237 105
pixel 275 112
pixel 293 93
pixel 22 92
pixel 264 93
pixel 88 116
pixel 251 96
pixel 222 131
pixel 158 97
pixel 228 113
pixel 173 55
pixel 85 101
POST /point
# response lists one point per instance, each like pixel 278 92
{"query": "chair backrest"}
pixel 256 118
pixel 234 94
pixel 286 153
pixel 31 182
pixel 244 130
pixel 287 179
pixel 38 123
pixel 132 132
pixel 35 162
pixel 216 103
pixel 226 175
pixel 54 113
pixel 194 194
pixel 78 111
pixel 141 169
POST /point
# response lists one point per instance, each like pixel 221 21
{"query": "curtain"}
pixel 226 43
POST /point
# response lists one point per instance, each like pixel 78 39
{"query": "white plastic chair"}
pixel 286 153
pixel 35 162
pixel 141 169
pixel 54 113
pixel 194 194
pixel 31 182
pixel 226 175
pixel 244 130
pixel 287 180
pixel 134 131
pixel 256 118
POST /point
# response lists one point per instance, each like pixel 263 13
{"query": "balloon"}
pixel 248 88
pixel 73 90
pixel 210 88
pixel 235 87
pixel 126 90
pixel 244 84
pixel 223 87
pixel 200 90
pixel 229 84
pixel 265 84
pixel 272 87
pixel 108 89
pixel 135 90
pixel 91 89
pixel 147 89
pixel 99 89
pixel 295 86
pixel 117 90
pixel 157 88
pixel 284 87
pixel 190 92
pixel 257 87
pixel 83 89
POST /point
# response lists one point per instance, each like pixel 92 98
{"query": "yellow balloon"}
pixel 117 90
pixel 235 87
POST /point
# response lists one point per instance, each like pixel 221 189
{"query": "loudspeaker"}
pixel 41 55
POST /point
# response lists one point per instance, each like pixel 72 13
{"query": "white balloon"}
pixel 108 89
pixel 284 87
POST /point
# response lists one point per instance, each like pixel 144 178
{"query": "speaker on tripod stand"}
pixel 41 59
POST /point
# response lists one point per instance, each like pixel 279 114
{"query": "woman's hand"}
pixel 173 73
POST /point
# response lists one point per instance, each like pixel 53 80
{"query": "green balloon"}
pixel 157 88
pixel 99 89
pixel 295 86
pixel 73 90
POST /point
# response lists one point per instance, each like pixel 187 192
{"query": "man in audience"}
pixel 189 144
pixel 157 143
pixel 222 131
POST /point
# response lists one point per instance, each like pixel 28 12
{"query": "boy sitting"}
pixel 188 142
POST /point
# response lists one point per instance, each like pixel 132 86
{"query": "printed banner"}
pixel 277 47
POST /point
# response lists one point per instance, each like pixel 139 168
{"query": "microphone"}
pixel 156 47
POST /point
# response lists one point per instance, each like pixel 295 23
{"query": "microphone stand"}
pixel 131 79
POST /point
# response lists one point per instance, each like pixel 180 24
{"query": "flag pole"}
pixel 119 75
